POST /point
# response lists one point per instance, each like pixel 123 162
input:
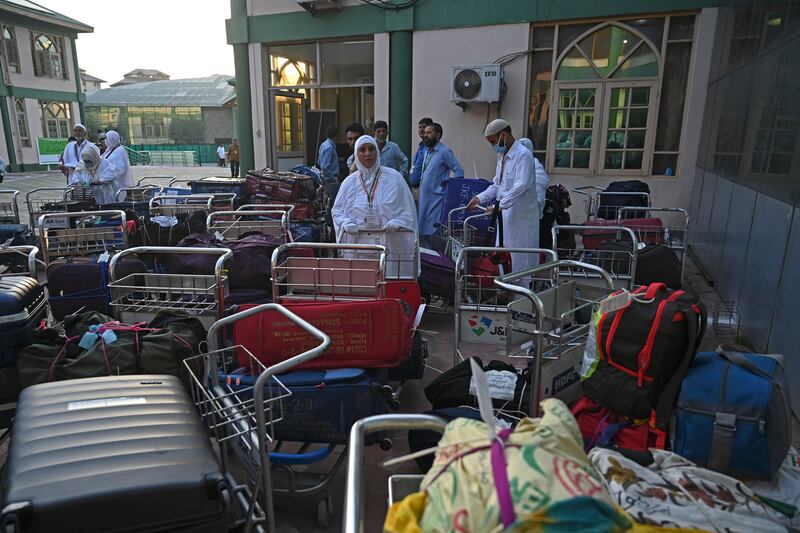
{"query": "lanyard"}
pixel 371 192
pixel 77 153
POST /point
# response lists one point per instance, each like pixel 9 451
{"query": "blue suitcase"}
pixel 324 404
pixel 305 231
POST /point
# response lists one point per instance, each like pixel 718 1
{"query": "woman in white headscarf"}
pixel 95 173
pixel 373 206
pixel 116 155
pixel 542 179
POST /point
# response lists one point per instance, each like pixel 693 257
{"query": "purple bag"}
pixel 249 268
pixel 438 275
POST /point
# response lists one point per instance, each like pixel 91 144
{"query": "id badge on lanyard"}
pixel 372 219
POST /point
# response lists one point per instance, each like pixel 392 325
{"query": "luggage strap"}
pixel 722 441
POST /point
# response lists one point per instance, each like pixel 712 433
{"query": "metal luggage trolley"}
pixel 138 297
pixel 460 234
pixel 160 181
pixel 190 203
pixel 29 254
pixel 9 209
pixel 139 193
pixel 359 275
pixel 44 200
pixel 550 328
pixel 673 233
pixel 234 224
pixel 95 232
pixel 400 485
pixel 618 258
pixel 242 418
pixel 593 195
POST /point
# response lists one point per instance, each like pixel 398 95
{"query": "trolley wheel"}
pixel 323 512
pixel 394 404
pixel 385 444
pixel 387 392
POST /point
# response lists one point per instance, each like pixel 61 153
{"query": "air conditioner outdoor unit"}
pixel 475 83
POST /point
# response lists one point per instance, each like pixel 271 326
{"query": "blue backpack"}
pixel 734 414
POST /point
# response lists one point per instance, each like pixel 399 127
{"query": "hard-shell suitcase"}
pixel 120 453
pixel 13 234
pixel 437 274
pixel 219 184
pixel 22 307
pixel 364 334
pixel 324 404
pixel 83 284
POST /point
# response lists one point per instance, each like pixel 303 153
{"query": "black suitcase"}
pixel 83 284
pixel 629 193
pixel 658 264
pixel 119 453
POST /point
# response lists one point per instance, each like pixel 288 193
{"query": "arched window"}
pixel 48 56
pixel 605 87
pixel 22 122
pixel 55 118
pixel 9 49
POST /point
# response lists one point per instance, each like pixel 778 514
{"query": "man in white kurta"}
pixel 375 206
pixel 116 155
pixel 513 191
pixel 74 150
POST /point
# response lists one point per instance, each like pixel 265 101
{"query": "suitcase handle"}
pixel 30 251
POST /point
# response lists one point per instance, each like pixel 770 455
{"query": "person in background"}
pixel 352 133
pixel 327 160
pixel 376 198
pixel 118 158
pixel 221 155
pixel 542 179
pixel 72 153
pixel 513 192
pixel 95 173
pixel 2 169
pixel 416 165
pixel 437 163
pixel 391 154
pixel 101 141
pixel 233 157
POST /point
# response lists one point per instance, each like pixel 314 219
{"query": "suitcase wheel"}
pixel 324 512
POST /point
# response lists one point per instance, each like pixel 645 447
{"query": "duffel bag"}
pixel 602 427
pixel 734 414
pixel 172 230
pixel 86 350
pixel 249 268
pixel 643 347
pixel 628 193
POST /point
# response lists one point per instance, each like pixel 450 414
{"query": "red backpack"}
pixel 602 427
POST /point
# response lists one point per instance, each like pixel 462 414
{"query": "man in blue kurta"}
pixel 437 163
pixel 416 164
pixel 391 154
pixel 327 161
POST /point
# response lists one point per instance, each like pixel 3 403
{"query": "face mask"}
pixel 500 147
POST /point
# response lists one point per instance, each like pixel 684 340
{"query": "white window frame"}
pixel 14 67
pixel 650 130
pixel 22 118
pixel 597 154
pixel 553 130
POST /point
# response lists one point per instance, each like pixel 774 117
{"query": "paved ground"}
pixel 299 515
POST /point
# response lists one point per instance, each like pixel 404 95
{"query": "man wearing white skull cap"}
pixel 73 153
pixel 513 192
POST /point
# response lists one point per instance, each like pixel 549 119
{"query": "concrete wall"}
pixel 434 53
pixel 262 138
pixel 217 123
pixel 26 78
pixel 3 150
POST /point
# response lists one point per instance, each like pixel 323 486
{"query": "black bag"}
pixel 157 235
pixel 451 389
pixel 636 197
pixel 557 201
pixel 644 350
pixel 657 263
pixel 249 268
pixel 158 348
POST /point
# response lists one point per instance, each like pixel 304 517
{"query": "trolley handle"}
pixel 462 256
pixel 113 213
pixel 64 190
pixel 587 190
pixel 450 214
pixel 645 210
pixel 155 199
pixel 13 192
pixel 258 207
pixel 354 498
pixel 224 254
pixel 30 251
pixel 240 214
pixel 136 189
pixel 276 253
pixel 14 205
pixel 170 178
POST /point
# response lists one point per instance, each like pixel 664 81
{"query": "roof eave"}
pixel 63 21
